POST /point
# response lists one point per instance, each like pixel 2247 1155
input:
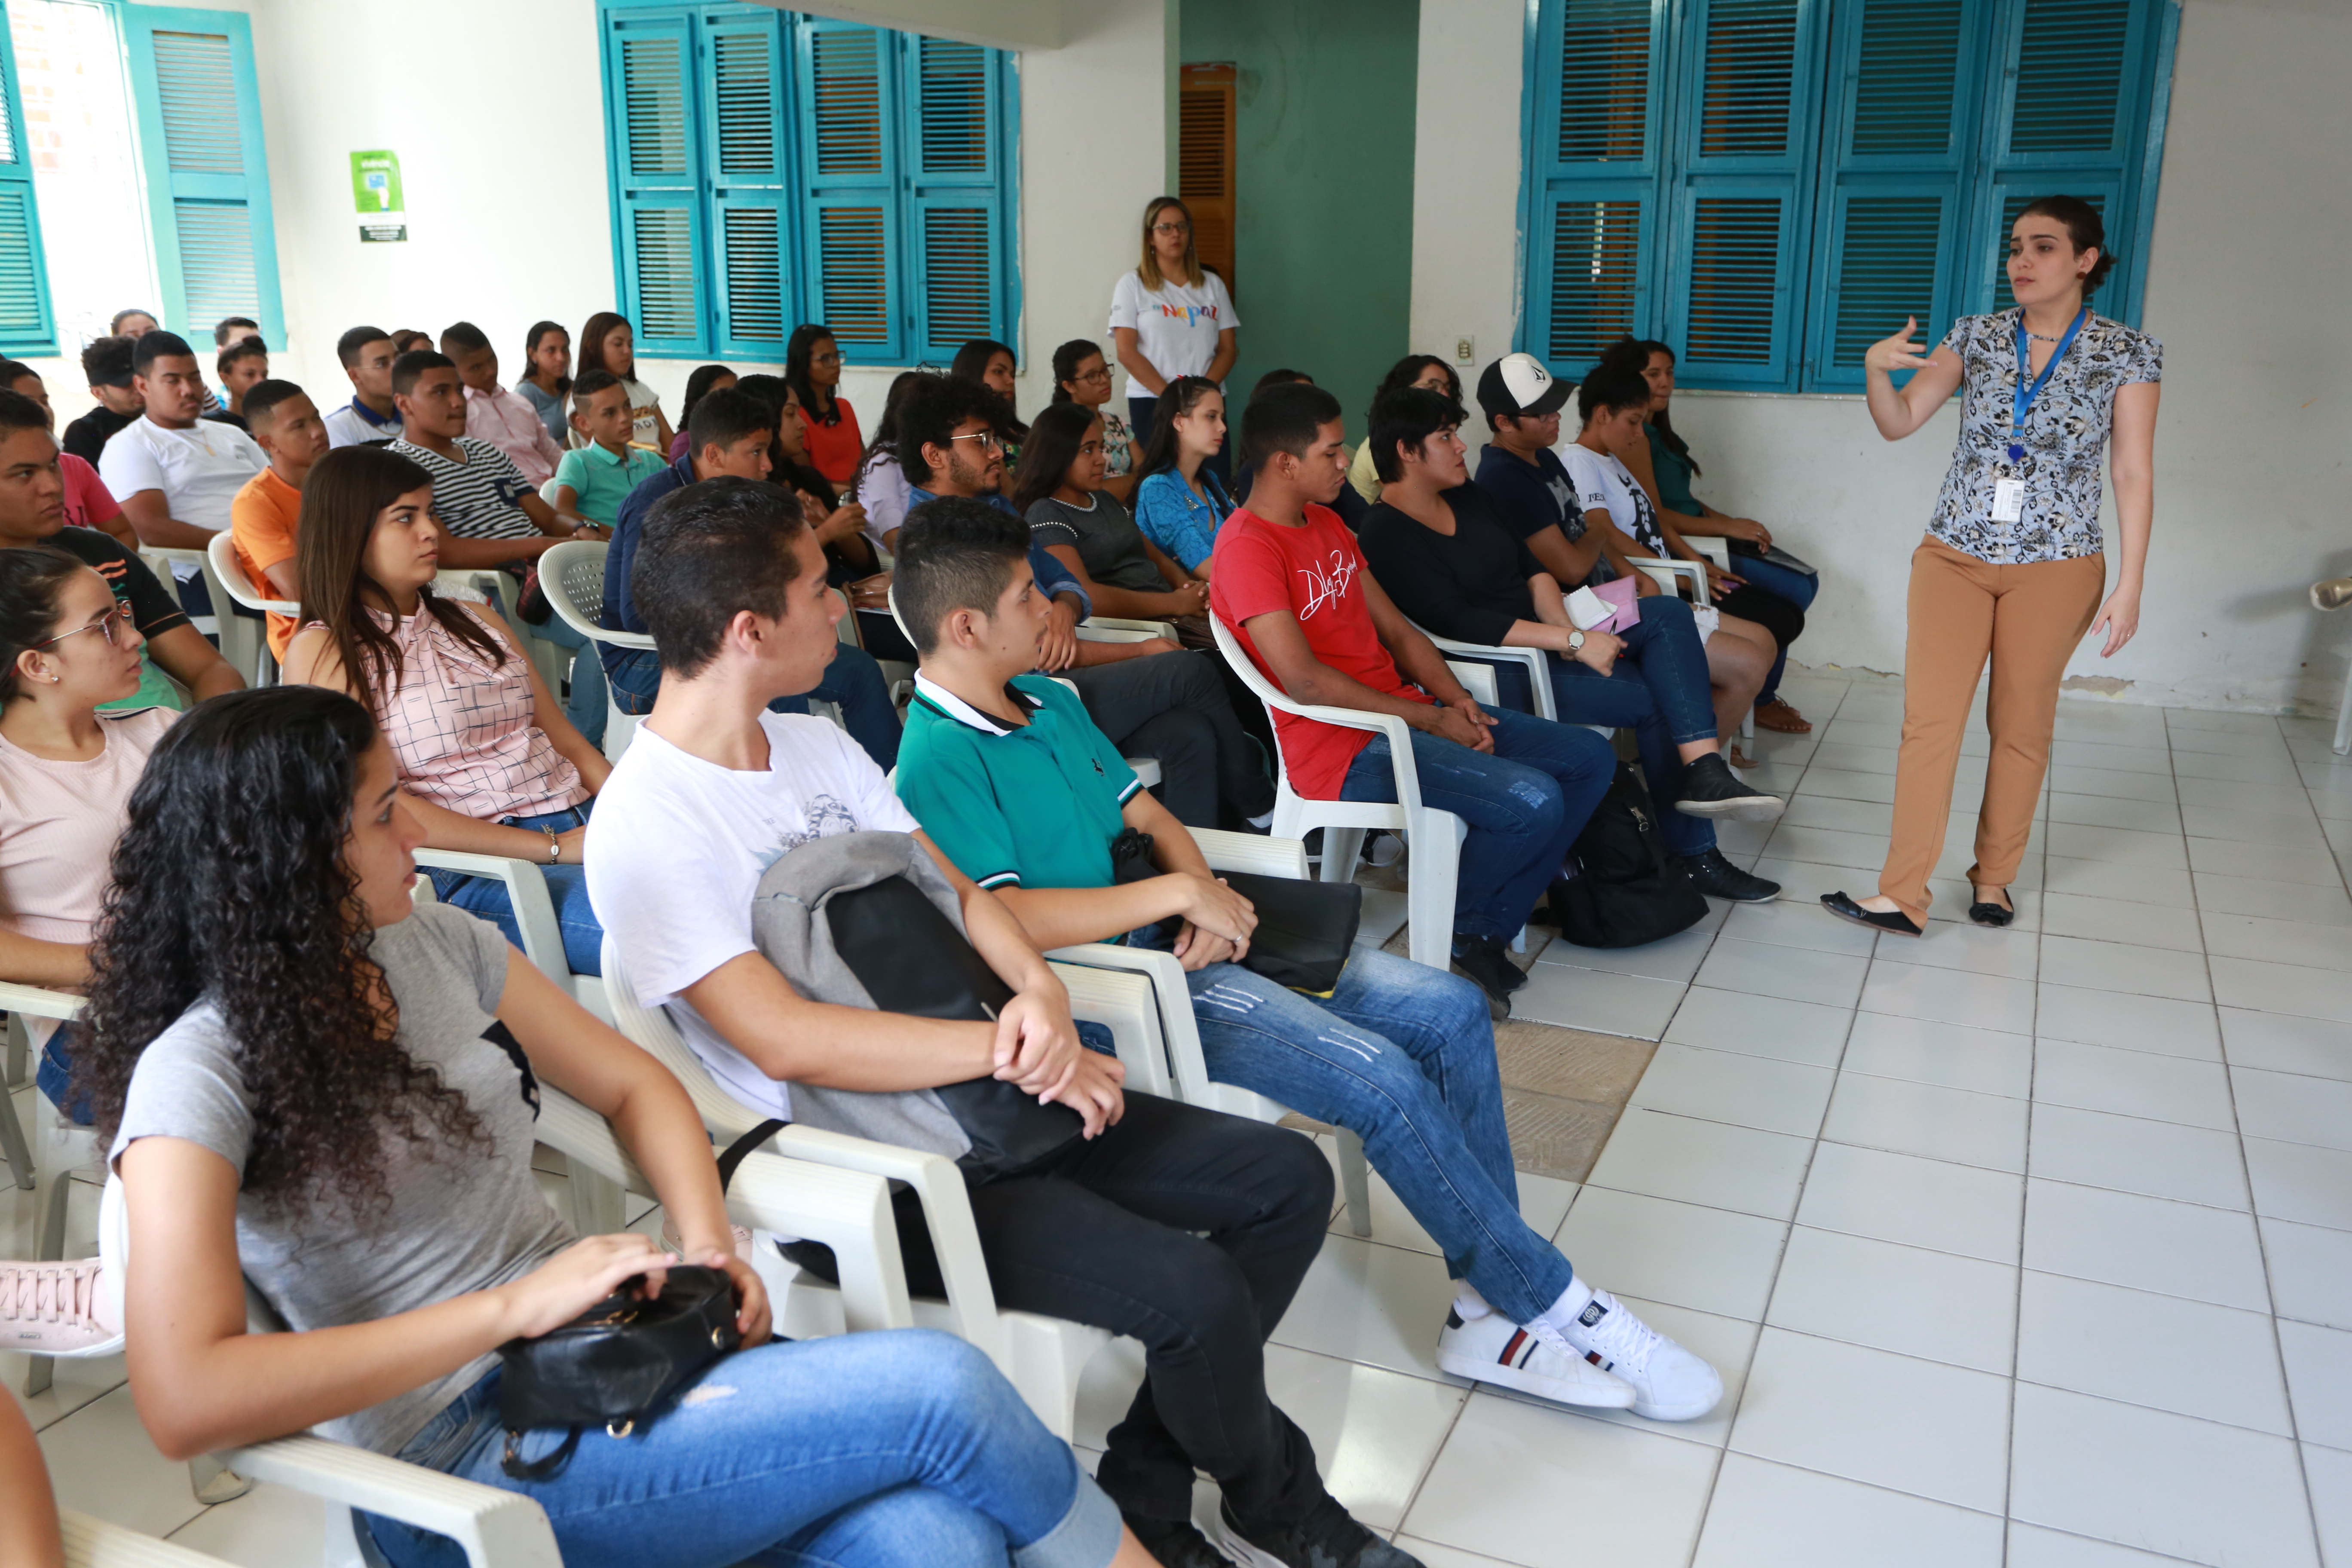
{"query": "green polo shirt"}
pixel 602 480
pixel 1032 805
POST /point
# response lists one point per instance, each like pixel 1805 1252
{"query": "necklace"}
pixel 2040 338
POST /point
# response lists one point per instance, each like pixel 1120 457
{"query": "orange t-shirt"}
pixel 261 519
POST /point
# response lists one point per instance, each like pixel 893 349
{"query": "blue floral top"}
pixel 1179 521
pixel 2066 436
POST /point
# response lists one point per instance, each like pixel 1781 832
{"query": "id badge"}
pixel 2008 500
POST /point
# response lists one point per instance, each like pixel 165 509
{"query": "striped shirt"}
pixel 479 496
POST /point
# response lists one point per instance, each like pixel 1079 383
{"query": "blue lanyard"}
pixel 2023 396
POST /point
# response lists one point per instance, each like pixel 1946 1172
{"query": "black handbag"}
pixel 618 1362
pixel 1304 932
pixel 911 958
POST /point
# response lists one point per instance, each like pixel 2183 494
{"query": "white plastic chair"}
pixel 94 1543
pixel 1479 658
pixel 1177 1029
pixel 236 634
pixel 229 572
pixel 61 1153
pixel 534 913
pixel 1043 1356
pixel 572 576
pixel 847 1210
pixel 1434 837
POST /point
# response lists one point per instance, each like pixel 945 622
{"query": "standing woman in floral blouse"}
pixel 2013 562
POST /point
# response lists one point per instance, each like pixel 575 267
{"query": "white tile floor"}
pixel 2028 1248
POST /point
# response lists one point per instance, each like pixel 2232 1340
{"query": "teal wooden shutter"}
pixel 29 324
pixel 957 225
pixel 2068 114
pixel 1901 121
pixel 848 110
pixel 655 156
pixel 199 117
pixel 1742 194
pixel 742 60
pixel 1591 234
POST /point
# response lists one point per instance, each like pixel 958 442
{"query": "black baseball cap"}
pixel 1516 386
pixel 106 363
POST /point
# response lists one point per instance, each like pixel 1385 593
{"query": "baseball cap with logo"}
pixel 1516 386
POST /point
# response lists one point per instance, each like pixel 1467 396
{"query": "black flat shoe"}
pixel 1986 914
pixel 1893 921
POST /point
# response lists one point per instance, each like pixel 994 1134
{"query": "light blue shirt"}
pixel 1180 522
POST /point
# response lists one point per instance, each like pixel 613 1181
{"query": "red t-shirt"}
pixel 833 449
pixel 89 503
pixel 1312 572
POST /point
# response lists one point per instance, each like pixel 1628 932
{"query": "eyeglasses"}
pixel 119 616
pixel 1172 228
pixel 1102 375
pixel 985 437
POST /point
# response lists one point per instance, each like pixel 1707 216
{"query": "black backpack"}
pixel 1623 894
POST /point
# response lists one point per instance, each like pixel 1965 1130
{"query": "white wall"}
pixel 2253 222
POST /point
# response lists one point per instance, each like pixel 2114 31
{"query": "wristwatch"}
pixel 1575 642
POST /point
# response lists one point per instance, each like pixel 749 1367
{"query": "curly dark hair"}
pixel 230 885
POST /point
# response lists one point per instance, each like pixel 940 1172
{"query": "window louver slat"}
pixel 1906 88
pixel 954 94
pixel 22 318
pixel 653 89
pixel 958 275
pixel 668 303
pixel 743 73
pixel 1886 272
pixel 1200 141
pixel 755 279
pixel 197 86
pixel 1750 76
pixel 2070 76
pixel 846 68
pixel 216 260
pixel 1735 278
pixel 853 274
pixel 1595 275
pixel 1604 81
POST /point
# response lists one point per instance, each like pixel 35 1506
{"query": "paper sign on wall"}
pixel 376 193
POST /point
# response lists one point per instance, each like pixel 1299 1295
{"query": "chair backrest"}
pixel 221 551
pixel 650 1029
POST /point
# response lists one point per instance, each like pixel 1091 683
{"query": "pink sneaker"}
pixel 55 1308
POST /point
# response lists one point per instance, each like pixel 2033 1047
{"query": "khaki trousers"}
pixel 2029 620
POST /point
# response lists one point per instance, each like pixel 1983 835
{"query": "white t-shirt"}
pixel 199 469
pixel 1603 483
pixel 678 845
pixel 1176 325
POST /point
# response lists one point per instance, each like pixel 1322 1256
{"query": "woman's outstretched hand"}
pixel 1897 353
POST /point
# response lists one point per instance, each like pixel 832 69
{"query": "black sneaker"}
pixel 1719 878
pixel 1711 789
pixel 1482 958
pixel 1174 1542
pixel 1327 1538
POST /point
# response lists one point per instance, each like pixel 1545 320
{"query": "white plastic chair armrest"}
pixel 849 1211
pixel 1714 547
pixel 947 1212
pixel 39 1001
pixel 1171 1007
pixel 222 553
pixel 94 1543
pixel 534 911
pixel 1252 852
pixel 1529 658
pixel 1664 572
pixel 496 1529
pixel 1128 1008
pixel 1114 629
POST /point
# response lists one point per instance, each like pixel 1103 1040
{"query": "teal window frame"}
pixel 28 321
pixel 815 171
pixel 1770 208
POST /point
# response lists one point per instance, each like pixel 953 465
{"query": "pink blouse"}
pixel 461 727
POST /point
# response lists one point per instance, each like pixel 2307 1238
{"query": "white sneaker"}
pixel 57 1308
pixel 1496 1349
pixel 1669 1383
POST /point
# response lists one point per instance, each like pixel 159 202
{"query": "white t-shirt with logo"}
pixel 677 846
pixel 1176 324
pixel 199 469
pixel 1601 481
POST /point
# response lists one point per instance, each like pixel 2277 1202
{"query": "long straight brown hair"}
pixel 344 493
pixel 588 348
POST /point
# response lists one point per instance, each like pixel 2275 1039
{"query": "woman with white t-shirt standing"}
pixel 1168 318
pixel 2013 562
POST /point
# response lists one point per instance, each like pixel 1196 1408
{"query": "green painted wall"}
pixel 1323 171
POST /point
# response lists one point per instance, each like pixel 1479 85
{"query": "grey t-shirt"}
pixel 460 1218
pixel 1109 544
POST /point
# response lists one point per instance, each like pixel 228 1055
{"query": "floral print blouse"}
pixel 2065 436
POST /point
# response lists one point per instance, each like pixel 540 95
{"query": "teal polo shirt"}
pixel 602 481
pixel 1016 806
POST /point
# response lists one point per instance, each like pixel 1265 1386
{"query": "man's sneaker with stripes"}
pixel 55 1309
pixel 1669 1383
pixel 1497 1351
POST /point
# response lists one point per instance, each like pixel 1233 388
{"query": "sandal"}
pixel 1777 715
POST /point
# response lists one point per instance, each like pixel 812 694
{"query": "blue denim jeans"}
pixel 1404 1057
pixel 1659 690
pixel 1797 587
pixel 1524 805
pixel 567 889
pixel 871 1450
pixel 853 682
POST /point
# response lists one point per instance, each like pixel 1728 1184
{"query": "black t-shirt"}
pixel 152 606
pixel 1531 497
pixel 1470 587
pixel 86 437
